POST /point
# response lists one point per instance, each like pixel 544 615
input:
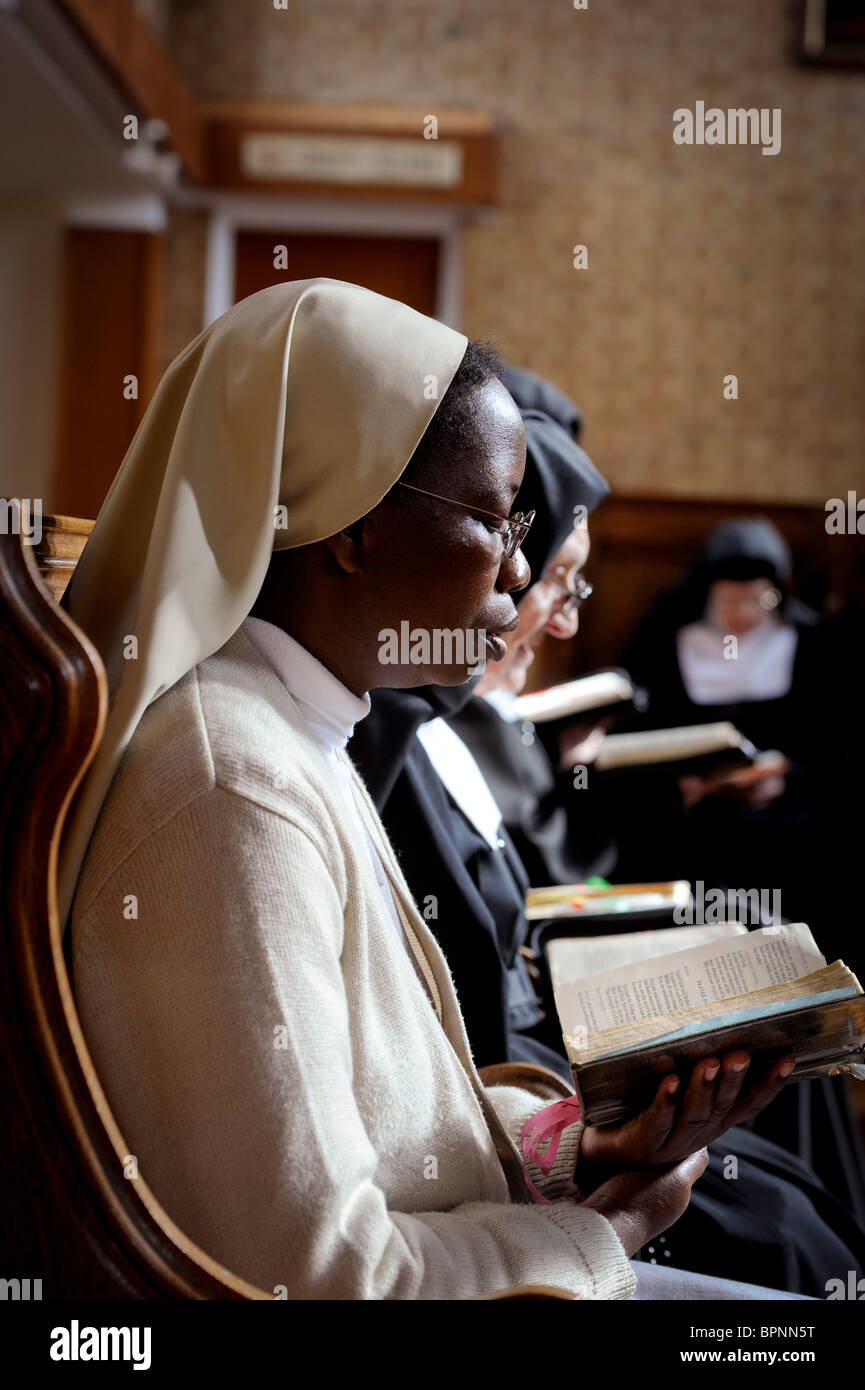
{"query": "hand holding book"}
pixel 580 743
pixel 721 1092
pixel 756 785
pixel 768 993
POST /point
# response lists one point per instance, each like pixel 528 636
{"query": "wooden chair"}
pixel 69 1215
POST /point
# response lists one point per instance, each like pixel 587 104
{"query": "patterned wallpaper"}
pixel 703 260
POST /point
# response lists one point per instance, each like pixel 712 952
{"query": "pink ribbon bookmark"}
pixel 546 1127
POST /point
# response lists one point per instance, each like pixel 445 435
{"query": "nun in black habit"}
pixel 560 836
pixel 784 690
pixel 677 649
pixel 775 1223
pixel 769 685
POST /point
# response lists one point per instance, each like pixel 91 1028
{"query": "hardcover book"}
pixel 596 696
pixel 699 748
pixel 628 1017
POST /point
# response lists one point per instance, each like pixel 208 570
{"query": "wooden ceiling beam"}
pixel 131 51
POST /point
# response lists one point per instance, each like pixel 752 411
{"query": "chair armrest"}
pixel 544 1083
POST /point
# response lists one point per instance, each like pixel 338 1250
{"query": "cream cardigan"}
pixel 303 1107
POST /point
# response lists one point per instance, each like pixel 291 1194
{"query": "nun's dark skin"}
pixel 411 558
pixel 438 566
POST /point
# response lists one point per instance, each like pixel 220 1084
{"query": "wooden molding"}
pixel 131 51
pixel 367 118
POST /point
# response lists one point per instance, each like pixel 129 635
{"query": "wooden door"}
pixel 112 284
pixel 404 268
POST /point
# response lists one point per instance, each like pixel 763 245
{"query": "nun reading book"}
pixel 729 642
pixel 785 689
pixel 276 1031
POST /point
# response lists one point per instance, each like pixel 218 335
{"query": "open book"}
pixel 770 992
pixel 595 696
pixel 694 748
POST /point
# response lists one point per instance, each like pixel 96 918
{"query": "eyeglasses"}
pixel 514 530
pixel 573 598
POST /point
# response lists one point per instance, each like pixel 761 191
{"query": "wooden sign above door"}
pixel 351 151
pixel 352 160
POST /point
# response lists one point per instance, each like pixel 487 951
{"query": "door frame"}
pixel 231 213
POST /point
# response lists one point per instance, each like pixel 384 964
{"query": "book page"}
pixel 574 957
pixel 687 979
pixel 830 983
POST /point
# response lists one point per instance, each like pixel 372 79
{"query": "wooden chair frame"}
pixel 69 1216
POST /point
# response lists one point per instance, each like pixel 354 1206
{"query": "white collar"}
pixel 762 668
pixel 504 702
pixel 329 708
pixel 454 762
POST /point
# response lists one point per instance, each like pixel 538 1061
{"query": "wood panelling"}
pixel 640 545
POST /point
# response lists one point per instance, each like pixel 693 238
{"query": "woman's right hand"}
pixel 580 743
pixel 640 1205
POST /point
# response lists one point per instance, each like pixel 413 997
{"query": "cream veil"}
pixel 287 419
